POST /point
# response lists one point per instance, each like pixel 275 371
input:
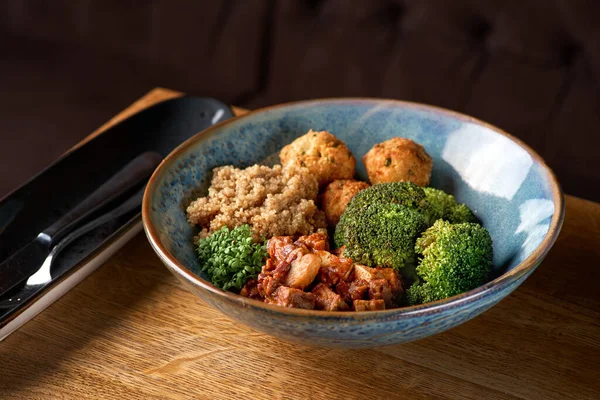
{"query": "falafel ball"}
pixel 336 197
pixel 398 160
pixel 326 157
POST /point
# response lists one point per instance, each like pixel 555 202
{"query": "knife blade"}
pixel 28 260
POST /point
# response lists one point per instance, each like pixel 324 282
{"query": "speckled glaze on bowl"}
pixel 506 184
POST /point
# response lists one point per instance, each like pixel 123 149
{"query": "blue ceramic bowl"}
pixel 506 184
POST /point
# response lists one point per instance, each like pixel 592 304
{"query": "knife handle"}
pixel 132 174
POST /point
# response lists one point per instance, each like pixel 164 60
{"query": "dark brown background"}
pixel 531 67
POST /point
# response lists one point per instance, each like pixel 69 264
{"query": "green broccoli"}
pixel 383 235
pixel 231 257
pixel 401 193
pixel 444 206
pixel 456 258
pixel 381 224
pixel 404 193
pixel 419 294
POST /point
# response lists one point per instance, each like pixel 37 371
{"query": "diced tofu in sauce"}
pixel 368 305
pixel 303 271
pixel 327 299
pixel 332 282
pixel 292 298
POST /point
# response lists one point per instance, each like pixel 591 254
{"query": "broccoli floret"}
pixel 381 224
pixel 456 258
pixel 444 206
pixel 419 294
pixel 383 235
pixel 405 194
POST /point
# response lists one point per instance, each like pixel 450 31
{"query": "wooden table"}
pixel 131 331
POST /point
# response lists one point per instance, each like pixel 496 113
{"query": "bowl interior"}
pixel 509 190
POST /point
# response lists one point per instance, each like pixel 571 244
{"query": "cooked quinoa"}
pixel 273 201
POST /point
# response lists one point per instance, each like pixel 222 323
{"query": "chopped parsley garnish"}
pixel 231 257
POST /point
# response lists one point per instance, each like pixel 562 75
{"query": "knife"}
pixel 30 258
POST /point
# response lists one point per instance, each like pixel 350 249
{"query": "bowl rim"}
pixel 525 267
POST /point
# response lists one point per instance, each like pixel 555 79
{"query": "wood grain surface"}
pixel 131 331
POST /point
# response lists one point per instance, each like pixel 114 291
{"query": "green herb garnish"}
pixel 231 257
